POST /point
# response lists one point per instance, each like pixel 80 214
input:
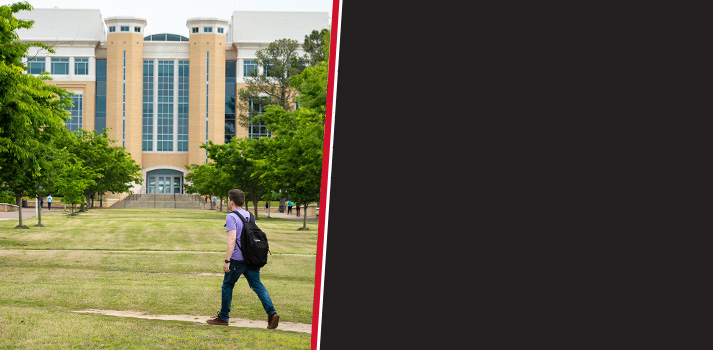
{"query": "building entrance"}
pixel 164 182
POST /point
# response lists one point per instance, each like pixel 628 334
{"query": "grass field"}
pixel 154 261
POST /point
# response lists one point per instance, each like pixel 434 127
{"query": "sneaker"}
pixel 218 321
pixel 273 320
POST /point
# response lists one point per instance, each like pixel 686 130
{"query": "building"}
pixel 161 95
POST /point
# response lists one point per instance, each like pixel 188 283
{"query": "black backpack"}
pixel 253 243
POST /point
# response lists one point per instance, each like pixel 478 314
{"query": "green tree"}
pixel 281 61
pixel 316 46
pixel 241 160
pixel 207 179
pixel 297 141
pixel 19 177
pixel 74 179
pixel 28 105
pixel 32 112
pixel 115 170
pixel 295 155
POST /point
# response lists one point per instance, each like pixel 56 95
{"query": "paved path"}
pixel 30 212
pixel 26 213
pixel 234 322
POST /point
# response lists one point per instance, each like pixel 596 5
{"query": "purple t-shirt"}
pixel 233 222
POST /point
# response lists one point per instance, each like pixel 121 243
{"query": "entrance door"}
pixel 164 182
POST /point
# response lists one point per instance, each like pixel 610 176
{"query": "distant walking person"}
pixel 289 207
pixel 298 209
pixel 42 200
pixel 49 202
pixel 235 266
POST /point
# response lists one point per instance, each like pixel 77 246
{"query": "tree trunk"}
pixel 84 207
pixel 18 199
pixel 255 199
pixel 39 218
pixel 304 217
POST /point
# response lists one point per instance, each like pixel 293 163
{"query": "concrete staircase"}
pixel 167 201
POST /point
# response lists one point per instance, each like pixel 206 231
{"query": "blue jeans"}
pixel 238 268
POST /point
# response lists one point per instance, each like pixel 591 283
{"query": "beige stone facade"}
pixel 207 93
pixel 124 93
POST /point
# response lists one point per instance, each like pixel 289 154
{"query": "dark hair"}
pixel 237 196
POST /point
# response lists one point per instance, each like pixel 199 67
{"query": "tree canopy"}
pixel 32 112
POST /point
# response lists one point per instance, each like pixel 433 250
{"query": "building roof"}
pixel 268 26
pixel 63 25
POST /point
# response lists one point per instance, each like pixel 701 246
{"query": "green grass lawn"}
pixel 95 261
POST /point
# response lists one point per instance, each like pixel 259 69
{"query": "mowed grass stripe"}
pixel 149 229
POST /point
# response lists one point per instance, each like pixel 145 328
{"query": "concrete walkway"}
pixel 26 213
pixel 30 213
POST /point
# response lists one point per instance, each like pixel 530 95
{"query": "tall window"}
pixel 164 115
pixel 249 68
pixel 182 134
pixel 76 112
pixel 60 66
pixel 257 127
pixel 147 112
pixel 165 106
pixel 81 66
pixel 36 65
pixel 100 104
pixel 230 68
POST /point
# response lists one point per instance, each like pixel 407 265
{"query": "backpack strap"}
pixel 241 231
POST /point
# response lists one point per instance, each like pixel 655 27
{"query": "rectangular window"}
pixel 124 28
pixel 183 80
pixel 36 65
pixel 194 30
pixel 164 114
pixel 230 97
pixel 60 66
pixel 76 112
pixel 100 101
pixel 249 68
pixel 137 29
pixel 220 30
pixel 147 112
pixel 207 29
pixel 81 66
pixel 112 29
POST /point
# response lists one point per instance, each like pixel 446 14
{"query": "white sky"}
pixel 169 16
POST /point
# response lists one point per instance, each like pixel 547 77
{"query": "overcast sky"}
pixel 169 16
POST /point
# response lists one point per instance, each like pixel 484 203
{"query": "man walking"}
pixel 235 266
pixel 49 202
